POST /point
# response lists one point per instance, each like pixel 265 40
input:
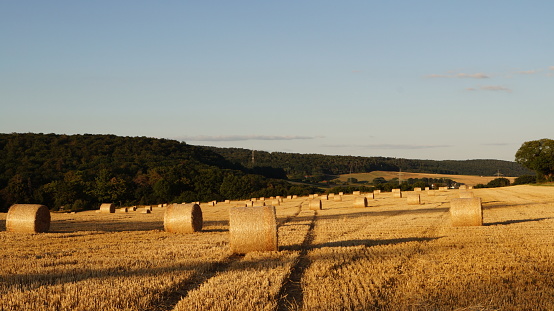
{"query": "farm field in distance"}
pixel 464 179
pixel 388 256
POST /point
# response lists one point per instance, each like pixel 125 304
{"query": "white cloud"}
pixel 528 72
pixel 495 88
pixel 241 137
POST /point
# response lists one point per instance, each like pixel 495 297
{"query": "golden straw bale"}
pixel 466 212
pixel 413 199
pixel 252 229
pixel 315 204
pixel 356 192
pixel 311 196
pixel 107 208
pixel 341 193
pixel 395 190
pixel 338 198
pixel 466 194
pixel 227 201
pixel 427 188
pixel 289 197
pixel 133 208
pixel 124 210
pixel 146 211
pixel 211 203
pixel 376 191
pixel 360 202
pixel 295 196
pixel 370 195
pixel 325 197
pixel 28 218
pixel 331 195
pixel 397 194
pixel 160 205
pixel 276 202
pixel 417 189
pixel 469 187
pixel 262 198
pixel 180 218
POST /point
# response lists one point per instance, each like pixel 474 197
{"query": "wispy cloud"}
pixel 551 67
pixel 528 72
pixel 460 75
pixel 388 146
pixel 489 88
pixel 495 88
pixel 242 137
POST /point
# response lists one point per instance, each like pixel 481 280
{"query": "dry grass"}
pixel 391 256
pixel 465 179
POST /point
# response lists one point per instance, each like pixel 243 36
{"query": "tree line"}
pixel 81 171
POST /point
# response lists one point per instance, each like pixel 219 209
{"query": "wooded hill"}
pixel 316 166
pixel 81 171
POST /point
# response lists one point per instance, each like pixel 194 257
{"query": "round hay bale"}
pixel 289 197
pixel 341 193
pixel 160 205
pixel 397 194
pixel 414 199
pixel 262 198
pixel 376 191
pixel 427 188
pixel 250 203
pixel 107 208
pixel 469 187
pixel 252 229
pixel 133 208
pixel 417 189
pixel 356 192
pixel 360 202
pixel 295 196
pixel 370 195
pixel 180 218
pixel 466 194
pixel 211 203
pixel 227 201
pixel 28 218
pixel 395 190
pixel 124 210
pixel 338 198
pixel 315 205
pixel 311 196
pixel 466 212
pixel 146 211
pixel 325 197
pixel 331 195
pixel 275 202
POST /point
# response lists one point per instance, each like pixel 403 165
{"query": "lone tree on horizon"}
pixel 538 155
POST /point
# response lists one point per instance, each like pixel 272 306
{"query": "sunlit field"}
pixel 388 256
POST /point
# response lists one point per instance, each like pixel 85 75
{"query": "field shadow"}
pixel 65 226
pixel 515 221
pixel 371 242
pixel 3 225
pixel 498 204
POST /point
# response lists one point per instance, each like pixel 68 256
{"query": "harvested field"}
pixel 465 179
pixel 388 256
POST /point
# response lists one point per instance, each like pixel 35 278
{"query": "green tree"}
pixel 499 182
pixel 538 155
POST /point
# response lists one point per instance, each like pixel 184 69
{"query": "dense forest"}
pixel 80 171
pixel 309 167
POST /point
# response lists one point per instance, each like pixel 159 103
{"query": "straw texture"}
pixel 107 208
pixel 179 218
pixel 315 205
pixel 413 199
pixel 252 229
pixel 360 202
pixel 28 218
pixel 466 212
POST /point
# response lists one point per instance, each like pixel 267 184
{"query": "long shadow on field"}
pixel 514 221
pixel 369 242
pixel 66 226
pixel 2 225
pixel 369 213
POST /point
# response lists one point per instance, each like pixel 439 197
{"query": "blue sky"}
pixel 412 79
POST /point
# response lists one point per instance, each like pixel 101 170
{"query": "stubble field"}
pixel 388 256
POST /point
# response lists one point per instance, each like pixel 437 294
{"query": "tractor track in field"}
pixel 171 298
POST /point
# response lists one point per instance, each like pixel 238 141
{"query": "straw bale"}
pixel 325 197
pixel 376 191
pixel 315 204
pixel 338 198
pixel 395 190
pixel 275 202
pixel 360 202
pixel 417 189
pixel 124 210
pixel 370 195
pixel 466 212
pixel 252 229
pixel 180 218
pixel 356 192
pixel 227 201
pixel 466 194
pixel 331 195
pixel 341 193
pixel 28 218
pixel 146 211
pixel 133 208
pixel 295 196
pixel 414 199
pixel 397 194
pixel 469 187
pixel 254 199
pixel 160 205
pixel 107 208
pixel 289 197
pixel 311 196
pixel 262 199
pixel 427 188
pixel 250 203
pixel 211 203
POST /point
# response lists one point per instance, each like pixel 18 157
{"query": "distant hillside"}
pixel 297 165
pixel 81 171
